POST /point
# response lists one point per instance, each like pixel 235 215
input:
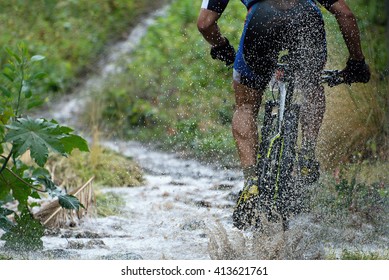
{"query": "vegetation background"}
pixel 161 102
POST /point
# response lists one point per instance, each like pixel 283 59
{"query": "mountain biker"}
pixel 272 26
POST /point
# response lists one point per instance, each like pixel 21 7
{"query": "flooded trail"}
pixel 167 218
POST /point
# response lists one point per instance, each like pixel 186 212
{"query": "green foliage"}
pixel 19 77
pixel 134 112
pixel 39 136
pixel 361 198
pixel 71 32
pixel 19 180
pixel 25 235
pixel 372 17
pixel 350 255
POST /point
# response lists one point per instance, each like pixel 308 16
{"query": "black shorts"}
pixel 269 30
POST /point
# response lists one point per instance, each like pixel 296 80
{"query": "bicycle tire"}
pixel 287 197
pixel 268 163
pixel 278 158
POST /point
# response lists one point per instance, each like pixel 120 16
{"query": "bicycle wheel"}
pixel 278 158
pixel 287 194
pixel 268 163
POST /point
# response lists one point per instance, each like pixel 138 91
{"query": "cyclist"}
pixel 270 27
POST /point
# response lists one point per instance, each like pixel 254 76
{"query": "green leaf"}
pixel 37 58
pixel 6 114
pixel 40 172
pixel 5 211
pixel 40 136
pixel 38 76
pixel 49 185
pixel 74 141
pixel 26 89
pixel 69 202
pixel 11 184
pixel 5 91
pixel 9 74
pixel 13 54
pixel 35 103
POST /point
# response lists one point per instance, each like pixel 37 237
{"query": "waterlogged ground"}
pixel 183 210
pixel 166 218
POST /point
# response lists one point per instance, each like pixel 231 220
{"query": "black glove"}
pixel 356 71
pixel 225 53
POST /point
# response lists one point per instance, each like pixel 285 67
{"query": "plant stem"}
pixel 20 89
pixel 24 181
pixel 6 161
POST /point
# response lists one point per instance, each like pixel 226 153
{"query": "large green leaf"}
pixel 71 141
pixel 41 136
pixel 9 183
pixel 69 202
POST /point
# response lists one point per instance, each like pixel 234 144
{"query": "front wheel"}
pixel 288 198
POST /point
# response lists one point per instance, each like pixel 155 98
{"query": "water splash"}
pixel 184 209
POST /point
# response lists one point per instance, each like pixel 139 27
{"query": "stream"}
pixel 183 211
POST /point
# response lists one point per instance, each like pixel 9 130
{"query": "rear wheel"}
pixel 269 156
pixel 287 194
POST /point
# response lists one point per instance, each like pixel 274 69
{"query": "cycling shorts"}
pixel 269 30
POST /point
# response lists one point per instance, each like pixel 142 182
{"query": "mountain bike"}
pixel 279 180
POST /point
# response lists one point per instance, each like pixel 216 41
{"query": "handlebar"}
pixel 330 77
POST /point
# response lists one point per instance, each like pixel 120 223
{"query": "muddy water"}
pixel 167 218
pixel 183 211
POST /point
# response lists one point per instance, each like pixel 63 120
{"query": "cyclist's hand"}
pixel 225 53
pixel 356 71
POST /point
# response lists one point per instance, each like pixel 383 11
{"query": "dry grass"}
pixel 108 168
pixel 271 243
pixel 354 119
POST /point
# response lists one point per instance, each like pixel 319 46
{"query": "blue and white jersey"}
pixel 219 5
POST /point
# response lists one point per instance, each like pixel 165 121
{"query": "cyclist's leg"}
pixel 244 123
pixel 248 86
pixel 312 114
pixel 310 51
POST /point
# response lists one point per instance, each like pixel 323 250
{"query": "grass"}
pixel 358 255
pixel 109 169
pixel 355 122
pixel 71 34
pixel 109 204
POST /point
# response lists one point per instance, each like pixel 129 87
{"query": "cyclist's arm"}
pixel 207 21
pixel 349 28
pixel 207 25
